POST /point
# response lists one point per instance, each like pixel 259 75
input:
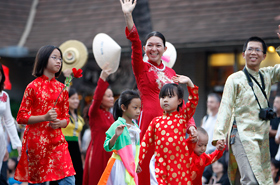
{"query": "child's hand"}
pixel 119 130
pixel 183 80
pixel 139 169
pixel 51 115
pixel 220 146
pixel 220 142
pixel 193 134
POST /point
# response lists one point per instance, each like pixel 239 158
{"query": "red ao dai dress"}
pixel 100 121
pixel 45 155
pixel 172 151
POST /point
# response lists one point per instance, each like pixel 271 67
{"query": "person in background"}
pixel 7 120
pixel 220 176
pixel 100 120
pixel 85 134
pixel 208 121
pixel 274 123
pixel 12 165
pixel 72 134
pixel 275 171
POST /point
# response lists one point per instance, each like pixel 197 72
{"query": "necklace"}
pixel 157 67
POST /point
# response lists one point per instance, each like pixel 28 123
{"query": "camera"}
pixel 267 113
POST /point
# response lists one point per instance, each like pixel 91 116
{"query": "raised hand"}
pixel 183 80
pixel 128 5
pixel 105 72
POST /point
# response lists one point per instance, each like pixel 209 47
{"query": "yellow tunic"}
pixel 239 101
pixel 73 130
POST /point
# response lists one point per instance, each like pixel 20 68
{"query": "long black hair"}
pixel 124 99
pixel 170 90
pixel 71 92
pixel 42 58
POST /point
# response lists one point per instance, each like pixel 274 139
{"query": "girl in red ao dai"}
pixel 167 134
pixel 45 155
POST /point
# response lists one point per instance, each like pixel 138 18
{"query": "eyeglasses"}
pixel 257 50
pixel 57 58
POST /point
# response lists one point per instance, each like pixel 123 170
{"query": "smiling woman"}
pixel 150 76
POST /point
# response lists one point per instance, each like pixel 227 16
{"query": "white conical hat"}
pixel 106 50
pixel 168 57
pixel 74 53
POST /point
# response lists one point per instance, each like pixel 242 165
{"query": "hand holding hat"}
pixel 106 50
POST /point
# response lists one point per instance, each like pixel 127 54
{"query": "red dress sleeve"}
pixel 138 64
pixel 98 96
pixel 65 103
pixel 214 156
pixel 188 110
pixel 25 106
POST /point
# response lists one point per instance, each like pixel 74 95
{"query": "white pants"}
pixel 153 179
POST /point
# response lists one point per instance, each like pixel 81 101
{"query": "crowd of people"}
pixel 141 137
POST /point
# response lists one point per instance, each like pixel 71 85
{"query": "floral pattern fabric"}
pixel 45 155
pixel 239 102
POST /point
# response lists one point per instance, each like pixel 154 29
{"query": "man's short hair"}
pixel 257 39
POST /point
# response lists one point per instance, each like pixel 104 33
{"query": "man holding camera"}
pixel 244 115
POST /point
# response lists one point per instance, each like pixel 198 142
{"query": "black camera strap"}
pixel 249 76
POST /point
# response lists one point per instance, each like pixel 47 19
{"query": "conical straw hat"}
pixel 106 50
pixel 74 53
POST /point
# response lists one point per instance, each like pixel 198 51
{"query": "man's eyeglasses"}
pixel 257 50
pixel 57 58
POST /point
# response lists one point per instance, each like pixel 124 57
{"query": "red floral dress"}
pixel 167 133
pixel 45 155
pixel 198 164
